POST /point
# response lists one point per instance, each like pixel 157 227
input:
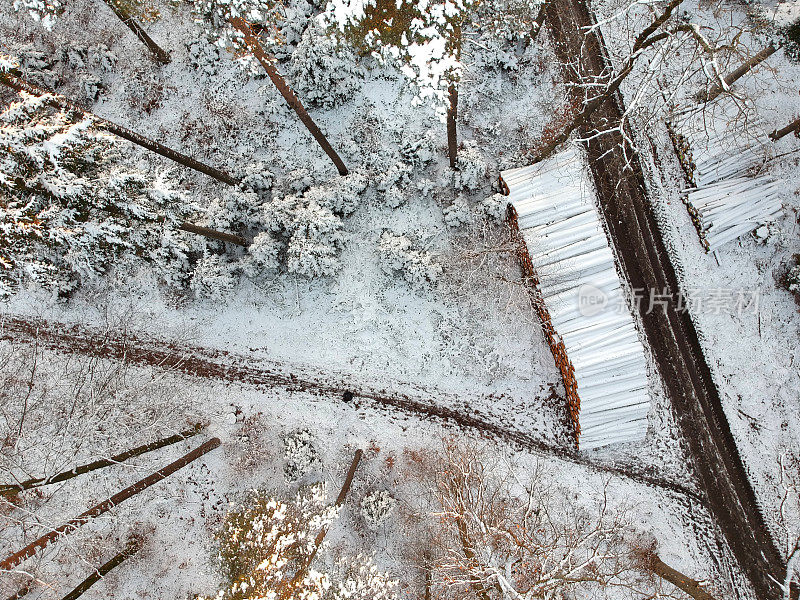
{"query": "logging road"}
pixel 620 184
pixel 225 366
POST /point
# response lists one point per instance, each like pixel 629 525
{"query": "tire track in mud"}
pixel 220 365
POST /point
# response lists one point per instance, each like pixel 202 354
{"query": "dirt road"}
pixel 671 335
pixel 228 367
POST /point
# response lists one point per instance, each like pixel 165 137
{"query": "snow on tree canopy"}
pixel 265 544
pixel 69 211
pixel 44 11
pixel 424 36
pixel 214 17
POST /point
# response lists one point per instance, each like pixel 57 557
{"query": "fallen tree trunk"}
pixel 97 510
pixel 268 62
pixel 131 548
pixel 17 83
pixel 159 53
pixel 647 38
pixel 288 589
pixel 13 488
pixel 794 126
pixel 214 234
pixel 740 72
pixel 452 134
pixel 678 579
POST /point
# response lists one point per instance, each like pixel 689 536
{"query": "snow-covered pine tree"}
pixel 324 71
pixel 312 226
pixel 265 542
pixel 69 210
pixel 236 25
pixel 399 255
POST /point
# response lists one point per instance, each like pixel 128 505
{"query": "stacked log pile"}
pixel 728 209
pixel 728 196
pixel 571 262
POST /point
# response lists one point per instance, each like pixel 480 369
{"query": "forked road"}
pixel 672 337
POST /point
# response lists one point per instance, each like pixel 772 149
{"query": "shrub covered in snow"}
pixel 398 176
pixel 471 167
pixel 236 211
pixel 262 255
pixel 300 450
pixel 377 507
pixel 312 224
pixel 419 151
pixel 495 207
pixel 322 71
pixel 394 197
pixel 457 214
pixel 258 178
pixel 69 211
pixel 399 255
pixel 203 56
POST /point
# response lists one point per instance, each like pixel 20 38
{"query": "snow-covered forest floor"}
pixel 450 316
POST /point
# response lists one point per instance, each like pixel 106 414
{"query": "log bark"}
pixel 452 134
pixel 31 549
pixel 214 234
pixel 159 53
pixel 131 548
pixel 14 488
pixel 17 83
pixel 289 588
pixel 268 62
pixel 794 126
pixel 740 72
pixel 678 579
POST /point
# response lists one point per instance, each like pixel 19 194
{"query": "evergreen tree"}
pixel 425 37
pixel 69 210
pixel 236 25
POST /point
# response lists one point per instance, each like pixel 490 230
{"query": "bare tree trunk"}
pixel 14 488
pixel 289 588
pixel 678 579
pixel 160 54
pixel 743 69
pixel 131 548
pixel 20 85
pixel 31 549
pixel 452 136
pixel 536 27
pixel 214 234
pixel 794 126
pixel 268 62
